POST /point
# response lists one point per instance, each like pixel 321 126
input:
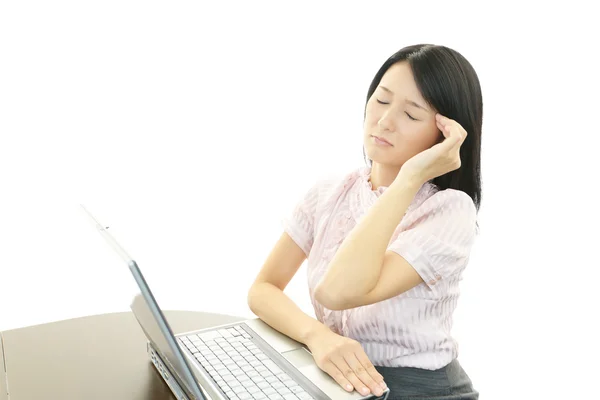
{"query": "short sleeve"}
pixel 300 225
pixel 440 235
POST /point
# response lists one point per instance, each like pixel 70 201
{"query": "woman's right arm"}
pixel 267 300
pixel 342 358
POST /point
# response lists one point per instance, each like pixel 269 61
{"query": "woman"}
pixel 386 246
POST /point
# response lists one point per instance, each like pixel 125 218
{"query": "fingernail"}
pixel 348 387
pixel 365 391
pixel 383 385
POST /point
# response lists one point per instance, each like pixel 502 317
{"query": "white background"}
pixel 192 130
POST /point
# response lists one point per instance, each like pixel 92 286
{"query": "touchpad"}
pixel 299 357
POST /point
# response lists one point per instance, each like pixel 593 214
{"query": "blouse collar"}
pixel 365 176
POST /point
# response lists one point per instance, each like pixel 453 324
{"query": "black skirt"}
pixel 448 383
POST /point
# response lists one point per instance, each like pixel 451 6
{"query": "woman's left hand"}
pixel 440 158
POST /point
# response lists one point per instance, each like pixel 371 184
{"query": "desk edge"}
pixel 3 374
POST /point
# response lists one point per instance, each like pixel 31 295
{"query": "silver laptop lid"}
pixel 152 320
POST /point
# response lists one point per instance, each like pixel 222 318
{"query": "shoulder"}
pixel 452 199
pixel 336 183
pixel 444 205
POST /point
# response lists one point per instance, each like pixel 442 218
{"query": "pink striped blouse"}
pixel 435 236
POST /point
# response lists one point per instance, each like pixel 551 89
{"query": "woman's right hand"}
pixel 345 361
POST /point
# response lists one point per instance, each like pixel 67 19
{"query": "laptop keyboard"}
pixel 240 368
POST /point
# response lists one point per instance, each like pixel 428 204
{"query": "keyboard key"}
pixel 267 374
pixel 235 384
pixel 239 389
pixel 253 390
pixel 233 332
pixel 245 380
pixel 283 376
pixel 210 335
pixel 288 382
pixel 263 385
pixel 296 389
pixel 272 366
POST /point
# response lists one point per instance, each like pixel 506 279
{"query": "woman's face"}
pixel 397 113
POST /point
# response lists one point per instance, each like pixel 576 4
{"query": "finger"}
pixel 455 135
pixel 445 121
pixel 349 374
pixel 445 129
pixel 451 132
pixel 441 125
pixel 459 135
pixel 370 368
pixel 443 118
pixel 363 375
pixel 337 376
pixel 451 138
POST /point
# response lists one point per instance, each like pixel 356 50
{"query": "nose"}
pixel 386 123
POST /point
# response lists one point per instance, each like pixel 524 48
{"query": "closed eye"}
pixel 409 116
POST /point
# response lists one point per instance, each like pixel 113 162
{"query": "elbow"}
pixel 329 299
pixel 252 298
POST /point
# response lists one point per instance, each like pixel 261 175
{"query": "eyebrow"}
pixel 408 101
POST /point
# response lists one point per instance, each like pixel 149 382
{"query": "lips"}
pixel 382 139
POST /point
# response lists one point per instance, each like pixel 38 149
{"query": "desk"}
pixel 95 357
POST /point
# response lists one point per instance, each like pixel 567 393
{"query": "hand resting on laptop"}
pixel 345 361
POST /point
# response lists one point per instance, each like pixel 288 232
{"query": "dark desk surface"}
pixel 95 357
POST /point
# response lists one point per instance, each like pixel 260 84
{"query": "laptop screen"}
pixel 153 321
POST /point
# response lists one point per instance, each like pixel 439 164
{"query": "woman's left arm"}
pixel 362 272
pixel 357 266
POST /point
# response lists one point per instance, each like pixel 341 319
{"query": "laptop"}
pixel 237 361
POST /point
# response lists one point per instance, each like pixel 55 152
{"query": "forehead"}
pixel 400 80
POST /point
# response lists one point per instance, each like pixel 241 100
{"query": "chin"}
pixel 378 156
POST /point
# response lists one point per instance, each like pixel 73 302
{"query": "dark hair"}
pixel 449 84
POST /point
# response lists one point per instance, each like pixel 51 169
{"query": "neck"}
pixel 383 175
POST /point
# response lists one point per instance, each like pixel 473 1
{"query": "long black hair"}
pixel 449 84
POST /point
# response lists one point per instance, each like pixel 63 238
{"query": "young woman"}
pixel 387 245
